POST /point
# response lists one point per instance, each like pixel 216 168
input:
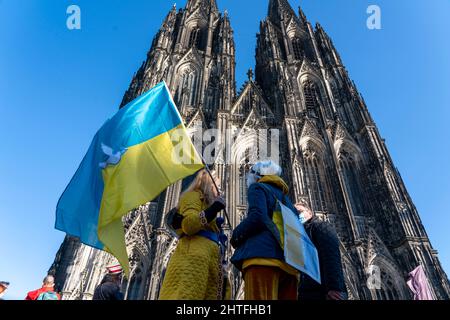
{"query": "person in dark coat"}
pixel 324 238
pixel 258 254
pixel 109 288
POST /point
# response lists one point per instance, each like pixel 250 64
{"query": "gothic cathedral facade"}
pixel 333 156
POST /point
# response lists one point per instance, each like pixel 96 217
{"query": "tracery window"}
pixel 388 290
pixel 352 183
pixel 311 95
pixel 316 182
pixel 313 99
pixel 243 184
pixel 282 47
pixel 195 38
pixel 297 47
pixel 186 94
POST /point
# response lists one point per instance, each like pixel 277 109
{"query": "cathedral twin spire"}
pixel 278 9
pixel 281 10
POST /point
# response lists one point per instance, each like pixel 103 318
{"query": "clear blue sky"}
pixel 57 87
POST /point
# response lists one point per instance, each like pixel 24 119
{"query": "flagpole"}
pixel 225 281
pixel 217 188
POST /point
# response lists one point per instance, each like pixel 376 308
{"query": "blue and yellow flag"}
pixel 136 154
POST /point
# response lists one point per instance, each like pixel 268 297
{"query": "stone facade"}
pixel 332 154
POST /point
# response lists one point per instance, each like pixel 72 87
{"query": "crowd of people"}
pixel 109 288
pixel 197 269
pixel 46 292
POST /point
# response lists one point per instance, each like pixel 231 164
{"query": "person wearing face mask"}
pixel 324 238
pixel 3 287
pixel 258 254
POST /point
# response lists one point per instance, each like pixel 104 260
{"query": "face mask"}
pixel 251 179
pixel 302 218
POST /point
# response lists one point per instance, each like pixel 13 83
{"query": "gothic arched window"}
pixel 388 291
pixel 282 47
pixel 297 47
pixel 310 92
pixel 316 183
pixel 311 95
pixel 193 36
pixel 352 183
pixel 186 94
pixel 196 38
pixel 212 99
pixel 243 184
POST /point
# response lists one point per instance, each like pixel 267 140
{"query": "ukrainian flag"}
pixel 136 154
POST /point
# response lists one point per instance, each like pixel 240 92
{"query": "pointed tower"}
pixel 336 160
pixel 194 53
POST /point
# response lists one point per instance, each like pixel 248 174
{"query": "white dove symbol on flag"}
pixel 113 158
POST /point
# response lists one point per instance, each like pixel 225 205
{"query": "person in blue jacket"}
pixel 258 254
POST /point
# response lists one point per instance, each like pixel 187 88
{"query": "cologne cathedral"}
pixel 332 154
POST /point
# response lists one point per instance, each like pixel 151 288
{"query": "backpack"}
pixel 48 295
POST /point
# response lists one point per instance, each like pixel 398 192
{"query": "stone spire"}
pixel 280 10
pixel 211 5
pixel 302 16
